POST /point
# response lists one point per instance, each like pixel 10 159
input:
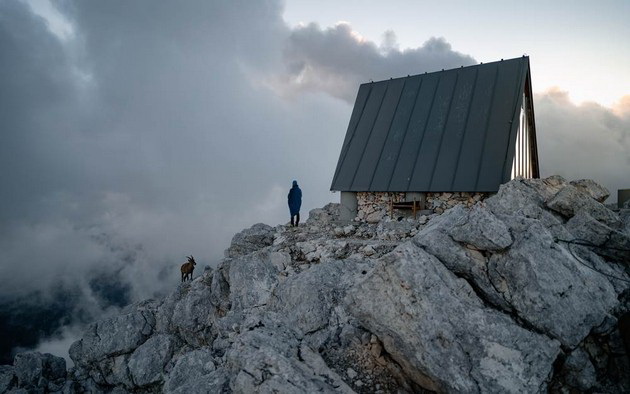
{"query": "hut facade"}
pixel 437 139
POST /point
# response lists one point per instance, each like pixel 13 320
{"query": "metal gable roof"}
pixel 451 130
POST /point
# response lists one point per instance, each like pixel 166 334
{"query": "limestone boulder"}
pixel 7 378
pixel 598 192
pixel 607 241
pixel 112 337
pixel 323 216
pixel 214 382
pixel 249 240
pixel 37 372
pixel 189 312
pixel 477 227
pixel 266 359
pixel 188 369
pixel 146 364
pixel 443 336
pixel 549 288
pixel 579 370
pixel 252 279
pixel 306 301
pixel 570 200
pixel 465 262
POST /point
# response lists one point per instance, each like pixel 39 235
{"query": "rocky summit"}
pixel 527 291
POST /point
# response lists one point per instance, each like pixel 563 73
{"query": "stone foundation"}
pixel 373 206
pixel 440 202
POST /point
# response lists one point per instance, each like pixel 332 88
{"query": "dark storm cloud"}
pixel 584 141
pixel 336 59
pixel 160 125
pixel 152 124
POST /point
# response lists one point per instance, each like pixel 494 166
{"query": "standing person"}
pixel 295 202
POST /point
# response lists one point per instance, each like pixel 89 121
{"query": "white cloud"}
pixel 585 140
pixel 337 59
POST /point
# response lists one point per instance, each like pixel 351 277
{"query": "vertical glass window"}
pixel 522 166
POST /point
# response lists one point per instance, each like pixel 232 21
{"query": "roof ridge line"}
pixel 444 70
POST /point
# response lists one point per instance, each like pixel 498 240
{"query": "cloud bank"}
pixel 585 140
pixel 337 59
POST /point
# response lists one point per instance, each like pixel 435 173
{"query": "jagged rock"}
pixel 580 372
pixel 549 288
pixel 39 372
pixel 256 237
pixel 252 279
pixel 436 328
pixel 569 200
pixel 112 337
pixel 325 215
pixel 266 360
pixel 478 227
pixel 189 312
pixel 114 371
pixel 220 288
pixel 7 378
pixel 188 368
pixel 594 189
pixel 607 241
pixel 147 362
pixel 280 260
pixel 368 250
pixel 20 391
pixel 376 216
pixel 624 216
pixel 306 301
pixel 463 261
pixel 478 299
pixel 213 382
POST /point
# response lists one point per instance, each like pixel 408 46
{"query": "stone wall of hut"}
pixel 373 206
pixel 440 202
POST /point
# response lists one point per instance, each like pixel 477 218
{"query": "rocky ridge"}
pixel 527 291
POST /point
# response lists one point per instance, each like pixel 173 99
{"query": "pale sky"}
pixel 580 46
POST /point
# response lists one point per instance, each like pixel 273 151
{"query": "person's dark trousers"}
pixel 297 219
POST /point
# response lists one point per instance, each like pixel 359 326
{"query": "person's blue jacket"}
pixel 295 199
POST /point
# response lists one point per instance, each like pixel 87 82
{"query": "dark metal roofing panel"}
pixel 446 164
pixel 358 141
pixel 398 130
pixel 376 142
pixel 411 144
pixel 445 131
pixel 470 156
pixel 502 125
pixel 357 113
pixel 430 144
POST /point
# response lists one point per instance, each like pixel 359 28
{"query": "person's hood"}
pixel 295 184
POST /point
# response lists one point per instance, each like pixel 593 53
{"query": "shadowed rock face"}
pixel 499 297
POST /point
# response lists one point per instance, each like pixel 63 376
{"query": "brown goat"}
pixel 187 268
